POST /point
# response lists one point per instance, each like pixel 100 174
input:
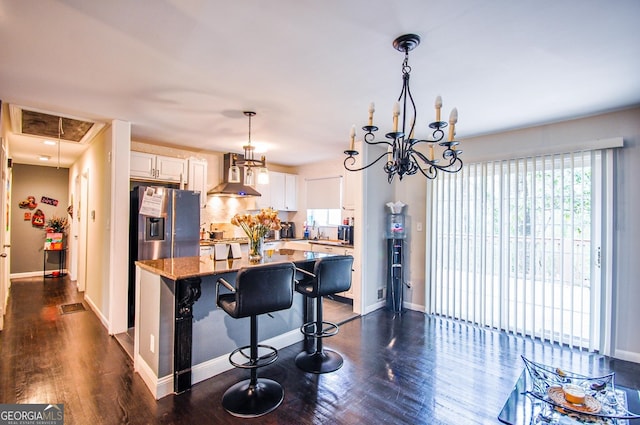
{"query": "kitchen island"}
pixel 182 337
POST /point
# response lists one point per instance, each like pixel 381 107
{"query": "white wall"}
pixel 92 165
pixel 105 166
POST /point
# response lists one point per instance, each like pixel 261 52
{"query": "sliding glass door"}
pixel 516 245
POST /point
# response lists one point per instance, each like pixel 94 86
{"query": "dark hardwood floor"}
pixel 399 369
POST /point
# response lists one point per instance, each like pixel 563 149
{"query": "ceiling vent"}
pixel 45 125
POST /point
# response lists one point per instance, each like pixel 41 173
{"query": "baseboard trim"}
pixel 38 273
pixel 161 387
pixel 97 311
pixel 627 355
pixel 373 307
pixel 213 367
pixel 414 307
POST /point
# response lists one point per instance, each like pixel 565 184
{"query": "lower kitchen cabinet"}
pixel 340 250
pixel 297 245
pixel 272 245
pixel 205 250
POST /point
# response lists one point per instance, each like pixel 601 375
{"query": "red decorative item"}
pixel 38 218
pixel 30 203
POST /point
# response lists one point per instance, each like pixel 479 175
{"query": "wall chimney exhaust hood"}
pixel 235 190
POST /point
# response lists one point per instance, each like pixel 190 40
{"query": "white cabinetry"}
pixel 349 183
pixel 290 192
pixel 264 201
pixel 206 250
pixel 197 178
pixel 329 249
pixel 281 193
pixel 352 185
pixel 355 275
pixel 157 167
pixel 276 186
pixel 272 245
pixel 297 245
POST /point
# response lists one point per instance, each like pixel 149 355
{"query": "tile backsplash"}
pixel 220 210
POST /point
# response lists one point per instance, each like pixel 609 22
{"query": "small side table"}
pixel 62 254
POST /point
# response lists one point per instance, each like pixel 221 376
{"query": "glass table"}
pixel 524 408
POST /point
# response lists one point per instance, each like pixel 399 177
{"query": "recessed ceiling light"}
pixel 49 142
pixel 44 157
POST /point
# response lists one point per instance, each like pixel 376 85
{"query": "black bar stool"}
pixel 259 290
pixel 330 276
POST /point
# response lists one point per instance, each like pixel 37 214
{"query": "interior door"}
pixel 83 202
pixel 73 230
pixel 5 198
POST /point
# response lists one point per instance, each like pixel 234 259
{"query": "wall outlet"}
pixel 152 343
pixel 380 293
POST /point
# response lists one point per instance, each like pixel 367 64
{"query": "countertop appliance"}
pixel 288 230
pixel 163 223
pixel 345 234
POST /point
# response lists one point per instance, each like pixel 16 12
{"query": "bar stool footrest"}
pixel 245 400
pixel 324 361
pixel 264 360
pixel 330 330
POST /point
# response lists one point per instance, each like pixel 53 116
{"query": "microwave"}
pixel 345 234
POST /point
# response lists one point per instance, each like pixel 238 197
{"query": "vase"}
pixel 255 249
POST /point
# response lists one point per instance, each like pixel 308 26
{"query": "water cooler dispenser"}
pixel 395 234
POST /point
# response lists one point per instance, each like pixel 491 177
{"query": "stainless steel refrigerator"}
pixel 164 223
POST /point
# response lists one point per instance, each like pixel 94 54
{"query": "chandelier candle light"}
pixel 402 154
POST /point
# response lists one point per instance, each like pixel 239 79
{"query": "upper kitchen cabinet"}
pixel 290 192
pixel 264 201
pixel 349 190
pixel 197 178
pixel 281 193
pixel 352 186
pixel 149 166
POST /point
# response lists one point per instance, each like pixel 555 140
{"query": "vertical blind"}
pixel 513 247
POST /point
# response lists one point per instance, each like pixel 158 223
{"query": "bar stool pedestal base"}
pixel 245 400
pixel 324 361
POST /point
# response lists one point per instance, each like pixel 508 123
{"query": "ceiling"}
pixel 182 71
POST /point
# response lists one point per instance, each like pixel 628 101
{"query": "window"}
pixel 516 244
pixel 324 217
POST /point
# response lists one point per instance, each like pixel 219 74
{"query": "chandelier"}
pixel 249 163
pixel 402 154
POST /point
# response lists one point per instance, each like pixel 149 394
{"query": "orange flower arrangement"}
pixel 257 226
